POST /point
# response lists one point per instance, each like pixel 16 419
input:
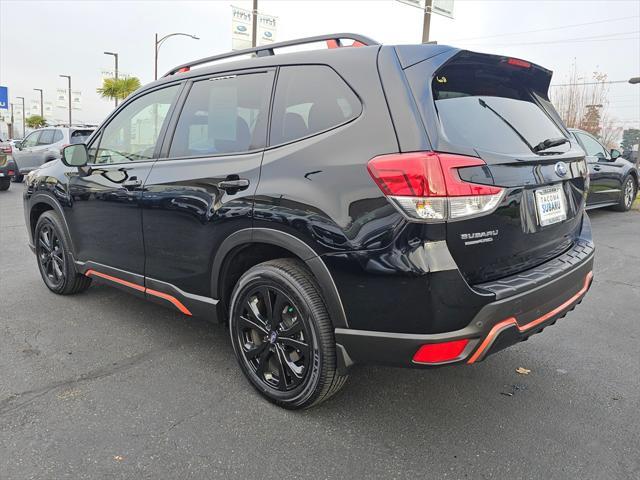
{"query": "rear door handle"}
pixel 597 168
pixel 234 184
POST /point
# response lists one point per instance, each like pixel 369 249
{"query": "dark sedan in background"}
pixel 614 180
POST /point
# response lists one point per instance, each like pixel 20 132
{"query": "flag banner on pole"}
pixel 34 107
pixel 62 100
pixel 443 7
pixel 267 26
pixel 48 110
pixel 240 28
pixel 76 100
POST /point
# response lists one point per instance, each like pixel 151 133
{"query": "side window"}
pixel 224 115
pixel 31 140
pixel 310 99
pixel 592 146
pixel 57 136
pixel 46 137
pixel 133 133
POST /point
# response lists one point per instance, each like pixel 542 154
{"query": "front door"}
pixel 604 175
pixel 25 157
pixel 202 190
pixel 104 214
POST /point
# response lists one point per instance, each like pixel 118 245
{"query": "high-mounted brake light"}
pixel 440 352
pixel 426 186
pixel 183 70
pixel 516 62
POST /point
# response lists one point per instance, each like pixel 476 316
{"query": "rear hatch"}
pixel 496 108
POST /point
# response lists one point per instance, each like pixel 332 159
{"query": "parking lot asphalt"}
pixel 105 385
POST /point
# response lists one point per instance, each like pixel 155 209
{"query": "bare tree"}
pixel 582 102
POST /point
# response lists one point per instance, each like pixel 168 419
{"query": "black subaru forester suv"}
pixel 415 205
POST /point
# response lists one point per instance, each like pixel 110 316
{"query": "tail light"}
pixel 426 186
pixel 6 149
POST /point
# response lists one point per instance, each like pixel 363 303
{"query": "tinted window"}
pixel 46 137
pixel 224 115
pixel 80 136
pixel 133 133
pixel 591 146
pixel 57 136
pixel 31 140
pixel 482 106
pixel 310 99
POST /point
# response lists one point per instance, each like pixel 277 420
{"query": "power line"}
pixel 567 40
pixel 562 27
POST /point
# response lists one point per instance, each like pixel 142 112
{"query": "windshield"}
pixel 484 109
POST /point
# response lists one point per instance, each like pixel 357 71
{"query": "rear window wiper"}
pixel 507 122
pixel 550 142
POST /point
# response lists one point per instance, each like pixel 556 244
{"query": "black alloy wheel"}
pixel 51 257
pixel 282 335
pixel 54 261
pixel 274 338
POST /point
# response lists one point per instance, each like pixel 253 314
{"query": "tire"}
pixel 5 183
pixel 288 351
pixel 54 260
pixel 17 178
pixel 628 194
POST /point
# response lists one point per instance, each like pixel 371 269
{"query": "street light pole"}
pixel 68 77
pixel 115 55
pixel 11 132
pixel 254 24
pixel 426 25
pixel 41 102
pixel 157 48
pixel 23 118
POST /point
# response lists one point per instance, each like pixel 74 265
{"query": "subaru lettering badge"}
pixel 561 169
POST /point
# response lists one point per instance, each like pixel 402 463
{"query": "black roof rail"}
pixel 267 50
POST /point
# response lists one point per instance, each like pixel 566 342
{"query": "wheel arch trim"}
pixel 298 248
pixel 40 197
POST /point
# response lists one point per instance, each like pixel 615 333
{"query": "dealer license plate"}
pixel 551 205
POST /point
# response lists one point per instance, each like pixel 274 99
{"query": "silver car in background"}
pixel 44 145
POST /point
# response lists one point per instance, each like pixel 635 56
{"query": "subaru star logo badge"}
pixel 561 169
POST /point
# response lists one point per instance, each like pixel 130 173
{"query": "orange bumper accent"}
pixel 512 322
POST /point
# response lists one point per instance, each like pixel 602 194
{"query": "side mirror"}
pixel 615 154
pixel 75 155
pixel 18 145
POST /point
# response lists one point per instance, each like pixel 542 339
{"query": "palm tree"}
pixel 120 88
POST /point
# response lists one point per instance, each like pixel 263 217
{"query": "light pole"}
pixel 23 119
pixel 254 24
pixel 159 42
pixel 115 55
pixel 68 77
pixel 11 132
pixel 41 102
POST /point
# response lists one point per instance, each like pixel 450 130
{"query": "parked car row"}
pixel 17 158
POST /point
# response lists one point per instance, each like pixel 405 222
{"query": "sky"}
pixel 40 40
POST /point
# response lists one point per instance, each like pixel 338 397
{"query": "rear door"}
pixel 201 190
pixel 605 175
pixel 41 152
pixel 496 108
pixel 104 214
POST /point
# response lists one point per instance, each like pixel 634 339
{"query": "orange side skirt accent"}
pixel 511 321
pixel 177 303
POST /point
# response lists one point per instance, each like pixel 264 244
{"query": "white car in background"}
pixel 44 145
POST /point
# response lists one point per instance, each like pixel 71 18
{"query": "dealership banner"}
pixel 76 100
pixel 62 99
pixel 48 110
pixel 241 24
pixel 34 107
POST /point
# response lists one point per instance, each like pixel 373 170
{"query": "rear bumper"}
pixel 525 304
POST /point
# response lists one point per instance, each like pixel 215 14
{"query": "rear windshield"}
pixel 484 107
pixel 80 136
